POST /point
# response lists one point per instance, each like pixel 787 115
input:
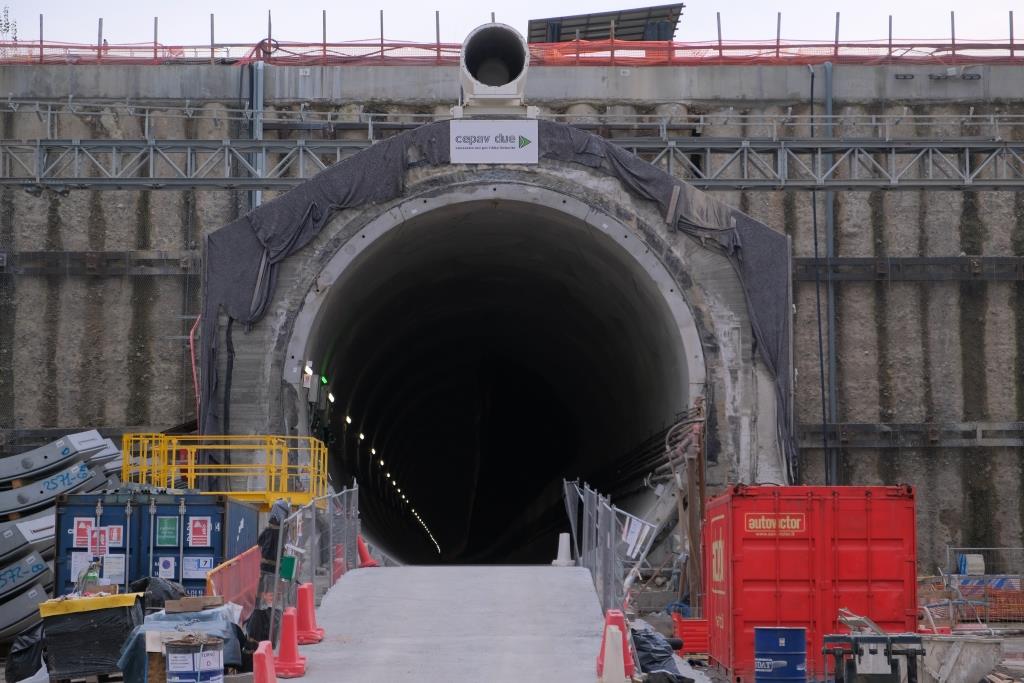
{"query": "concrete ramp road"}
pixel 458 623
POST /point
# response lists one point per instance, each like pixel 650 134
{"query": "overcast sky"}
pixel 245 21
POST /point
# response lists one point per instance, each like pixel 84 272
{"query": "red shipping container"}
pixel 794 555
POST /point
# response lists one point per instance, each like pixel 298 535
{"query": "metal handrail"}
pixel 272 466
pixel 569 53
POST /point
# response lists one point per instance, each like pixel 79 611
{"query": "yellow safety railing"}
pixel 262 468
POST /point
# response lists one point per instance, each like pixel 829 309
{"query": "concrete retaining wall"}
pixel 78 351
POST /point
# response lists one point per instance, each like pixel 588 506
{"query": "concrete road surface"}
pixel 446 624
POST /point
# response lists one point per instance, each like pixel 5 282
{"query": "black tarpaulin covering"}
pixel 25 657
pixel 82 644
pixel 156 591
pixel 241 259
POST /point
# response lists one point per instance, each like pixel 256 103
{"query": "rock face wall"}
pixel 80 350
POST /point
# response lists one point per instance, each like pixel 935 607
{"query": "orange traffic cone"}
pixel 309 633
pixel 289 664
pixel 365 560
pixel 615 627
pixel 263 663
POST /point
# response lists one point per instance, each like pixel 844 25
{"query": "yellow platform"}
pixel 260 469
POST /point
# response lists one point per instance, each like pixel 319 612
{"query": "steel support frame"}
pixel 910 269
pixel 297 115
pixel 708 163
pixel 851 436
pixel 920 435
pixel 99 263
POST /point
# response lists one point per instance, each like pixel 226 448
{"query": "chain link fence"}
pixel 984 561
pixel 610 542
pixel 317 545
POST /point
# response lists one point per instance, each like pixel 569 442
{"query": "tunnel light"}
pixel 382 463
pixel 373 451
pixel 361 436
pixel 348 420
pixel 330 397
pixel 399 490
pixel 394 483
pixel 387 474
pixel 309 368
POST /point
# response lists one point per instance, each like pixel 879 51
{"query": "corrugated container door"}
pixel 75 518
pixel 241 526
pixel 717 551
pixel 875 556
pixel 774 566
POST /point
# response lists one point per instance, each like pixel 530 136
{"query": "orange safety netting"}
pixel 1003 604
pixel 237 580
pixel 571 53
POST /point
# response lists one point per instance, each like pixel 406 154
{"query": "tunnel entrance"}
pixel 485 330
pixel 480 351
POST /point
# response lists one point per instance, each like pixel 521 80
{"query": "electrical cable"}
pixel 817 299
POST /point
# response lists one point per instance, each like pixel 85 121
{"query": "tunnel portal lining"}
pixel 243 258
pixel 722 325
pixel 561 317
pixel 303 329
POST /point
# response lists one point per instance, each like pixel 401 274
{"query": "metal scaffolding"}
pixel 909 269
pixel 707 163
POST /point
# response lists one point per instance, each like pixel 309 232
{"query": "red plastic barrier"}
pixel 308 631
pixel 693 633
pixel 289 664
pixel 237 580
pixel 615 617
pixel 263 663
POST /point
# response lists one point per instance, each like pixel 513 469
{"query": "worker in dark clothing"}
pixel 271 536
pixel 258 626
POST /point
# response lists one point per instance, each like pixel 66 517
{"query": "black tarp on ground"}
pixel 26 655
pixel 241 259
pixel 82 644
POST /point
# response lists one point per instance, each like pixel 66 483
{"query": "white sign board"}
pixel 79 563
pixel 494 142
pixel 196 567
pixel 113 568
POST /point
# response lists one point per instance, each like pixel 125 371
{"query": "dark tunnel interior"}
pixel 483 352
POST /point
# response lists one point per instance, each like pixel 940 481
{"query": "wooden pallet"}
pixel 1000 678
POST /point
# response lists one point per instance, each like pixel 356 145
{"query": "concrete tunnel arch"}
pixel 483 232
pixel 490 331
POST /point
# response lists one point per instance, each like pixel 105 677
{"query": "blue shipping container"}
pixel 133 535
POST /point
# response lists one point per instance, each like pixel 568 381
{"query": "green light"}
pixel 323 380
